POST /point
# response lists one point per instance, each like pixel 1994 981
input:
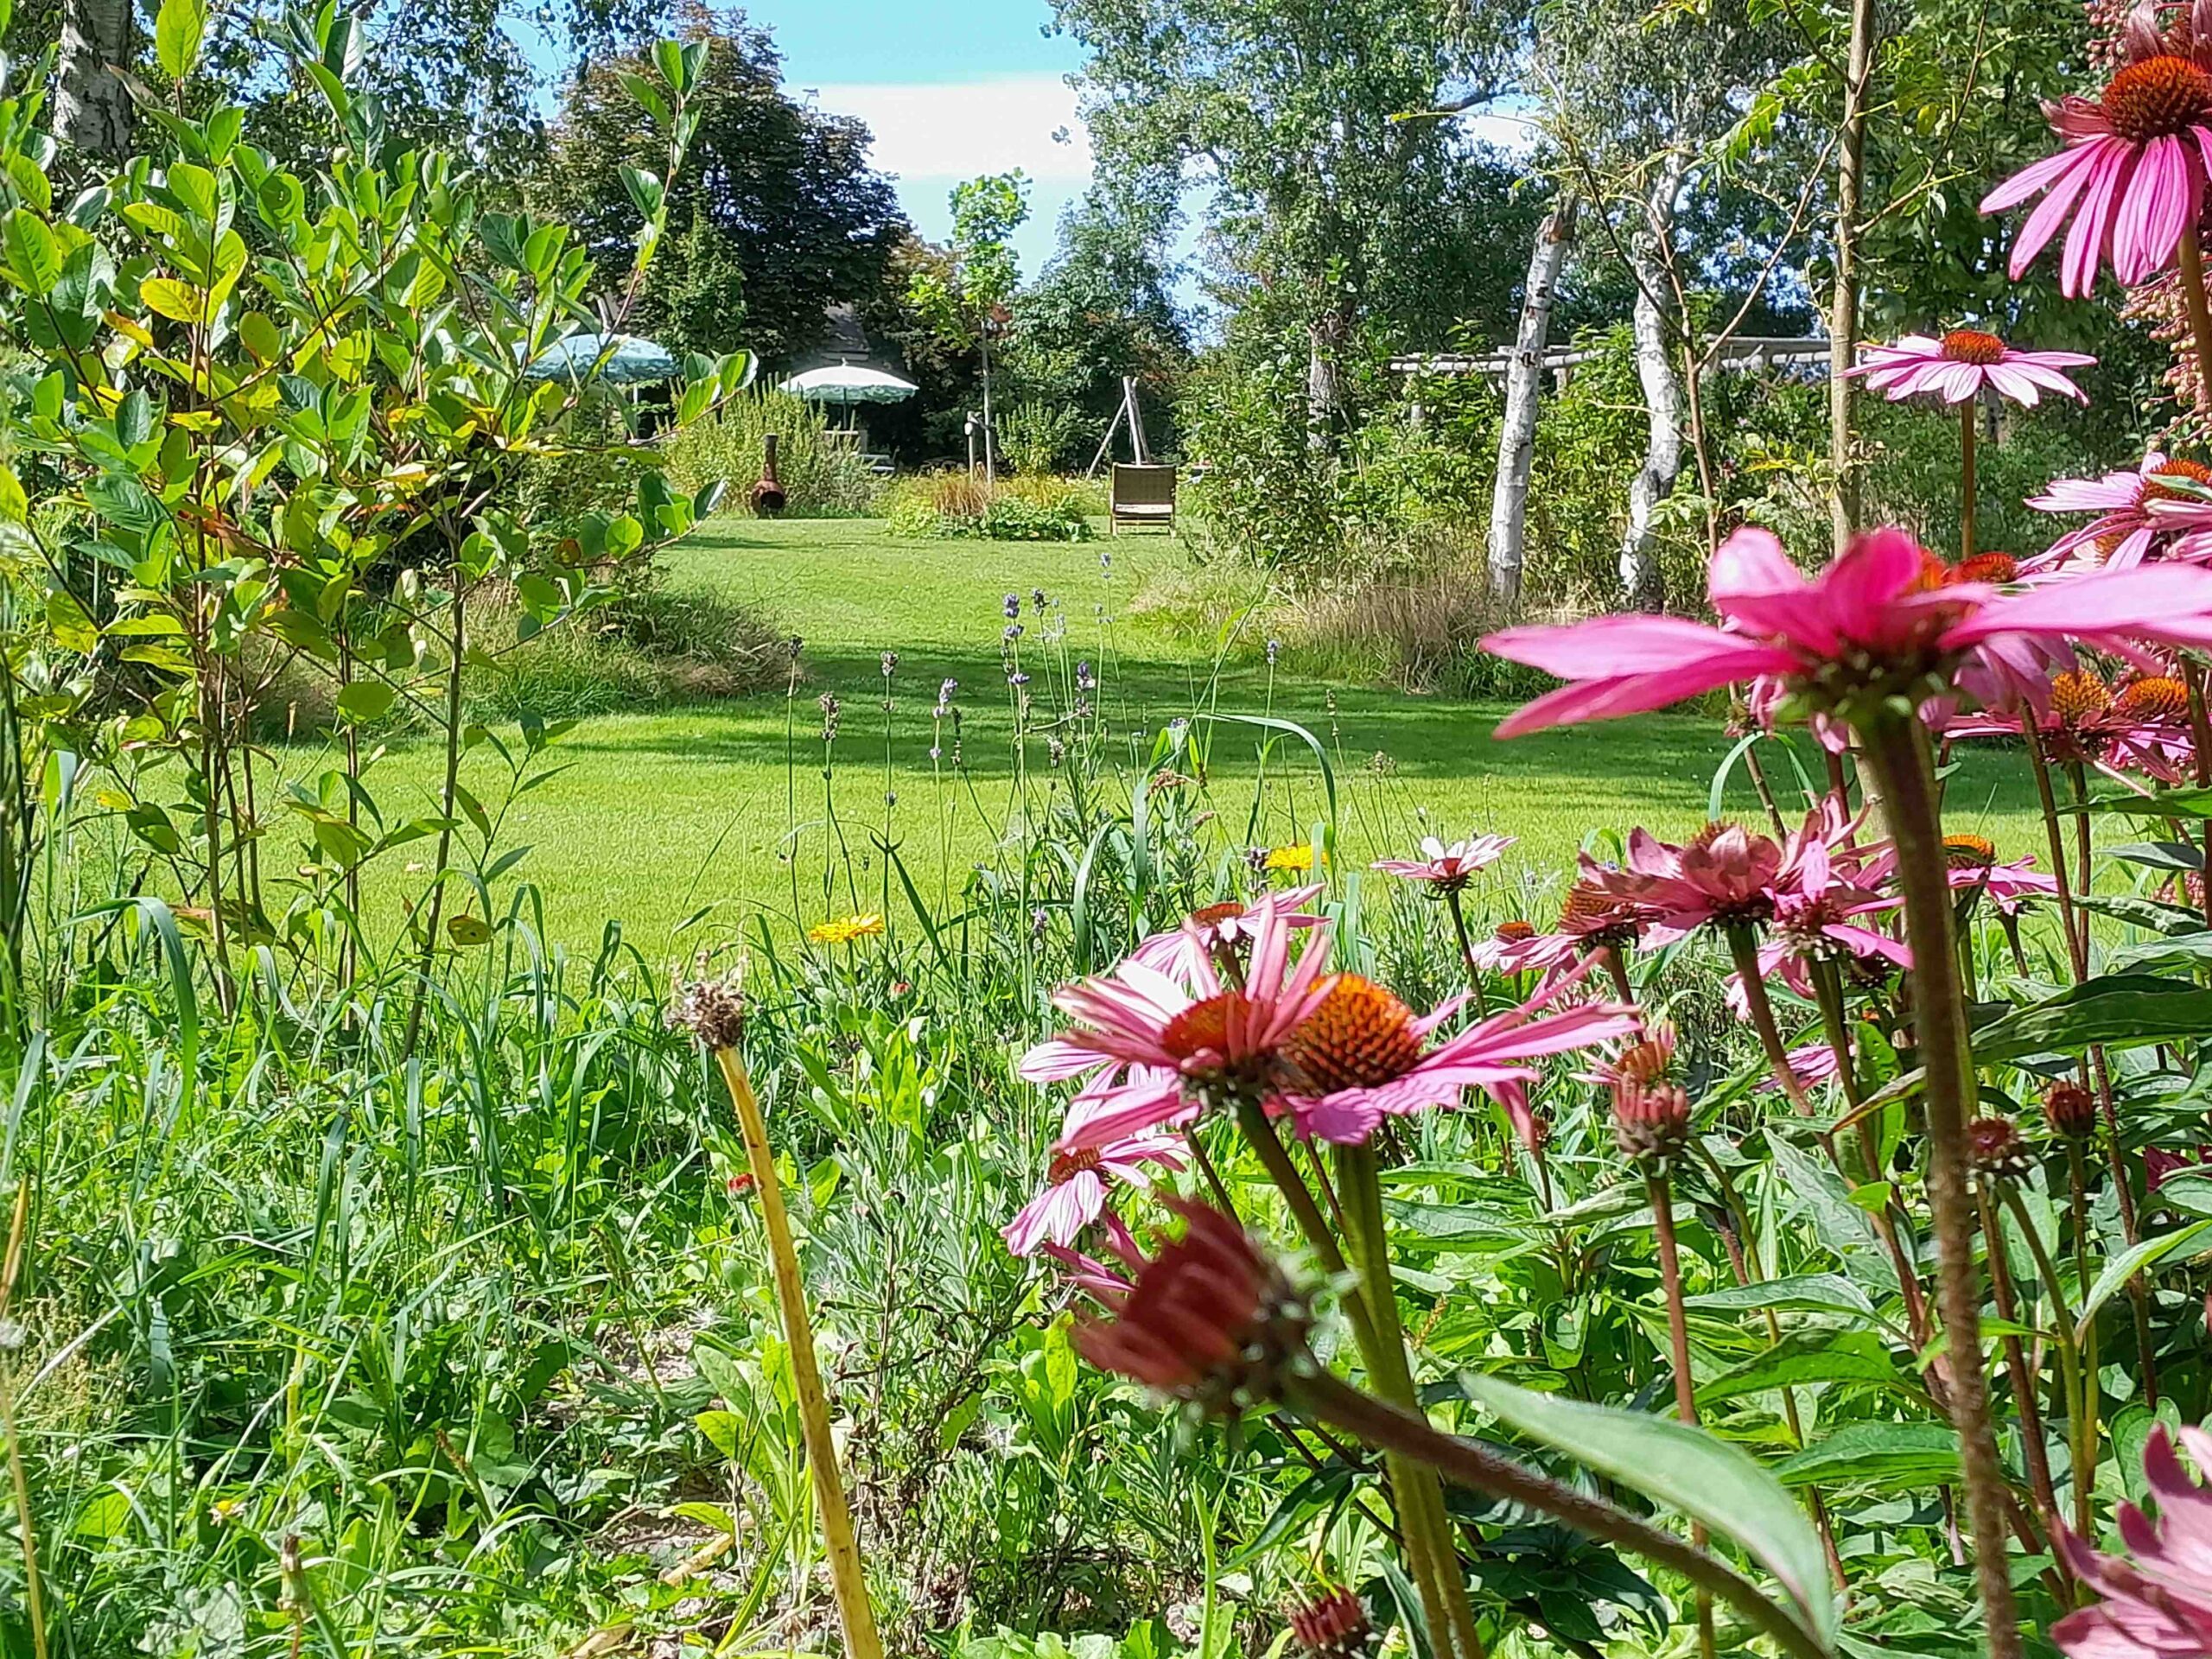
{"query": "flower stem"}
pixel 1895 749
pixel 2070 922
pixel 847 1580
pixel 2080 1432
pixel 1678 1336
pixel 2016 1365
pixel 1360 1192
pixel 1468 1464
pixel 1466 950
pixel 2200 316
pixel 1969 411
pixel 1744 951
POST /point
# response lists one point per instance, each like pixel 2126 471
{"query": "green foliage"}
pixel 960 504
pixel 824 475
pixel 1040 439
pixel 959 299
pixel 779 218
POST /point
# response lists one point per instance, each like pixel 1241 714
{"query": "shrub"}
pixel 824 476
pixel 960 504
pixel 1037 438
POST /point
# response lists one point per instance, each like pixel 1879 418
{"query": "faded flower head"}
pixel 1996 1152
pixel 713 1010
pixel 1210 1319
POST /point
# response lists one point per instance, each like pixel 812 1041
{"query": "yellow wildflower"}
pixel 1297 857
pixel 845 929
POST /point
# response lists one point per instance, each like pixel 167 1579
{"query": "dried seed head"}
pixel 711 1010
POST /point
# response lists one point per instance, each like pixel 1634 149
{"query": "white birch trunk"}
pixel 92 110
pixel 1524 384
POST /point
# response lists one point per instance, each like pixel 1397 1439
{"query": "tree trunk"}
pixel 1642 586
pixel 1324 342
pixel 1525 382
pixel 92 111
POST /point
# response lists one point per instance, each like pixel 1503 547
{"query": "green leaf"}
pixel 74 628
pixel 1686 1469
pixel 2124 1267
pixel 1804 1357
pixel 366 699
pixel 2154 914
pixel 34 261
pixel 178 29
pixel 2112 1010
pixel 1811 1292
pixel 1898 1456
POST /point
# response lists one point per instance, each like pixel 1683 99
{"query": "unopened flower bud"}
pixel 2071 1109
pixel 1333 1625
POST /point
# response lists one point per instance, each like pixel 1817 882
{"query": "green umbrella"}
pixel 622 360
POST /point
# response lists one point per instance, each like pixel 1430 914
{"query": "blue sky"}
pixel 950 90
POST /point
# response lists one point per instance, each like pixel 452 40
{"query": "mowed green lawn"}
pixel 661 815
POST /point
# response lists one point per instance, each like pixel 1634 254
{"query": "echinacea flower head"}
pixel 1958 364
pixel 2131 170
pixel 2157 1596
pixel 843 930
pixel 1362 1055
pixel 1160 1052
pixel 1075 1189
pixel 2162 507
pixel 2070 1110
pixel 1886 621
pixel 1219 933
pixel 1447 868
pixel 1210 1319
pixel 1996 1152
pixel 1725 876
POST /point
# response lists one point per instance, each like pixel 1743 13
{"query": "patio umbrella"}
pixel 631 359
pixel 848 385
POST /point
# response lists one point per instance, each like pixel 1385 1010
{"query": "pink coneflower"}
pixel 1883 620
pixel 1361 1055
pixel 1074 1193
pixel 1722 874
pixel 1957 366
pixel 2131 173
pixel 2159 1605
pixel 1972 863
pixel 1164 1053
pixel 1448 869
pixel 2156 507
pixel 1215 931
pixel 2142 727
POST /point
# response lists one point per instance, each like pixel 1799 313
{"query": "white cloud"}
pixel 961 129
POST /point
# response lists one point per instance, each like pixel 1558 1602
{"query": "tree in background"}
pixel 1326 207
pixel 779 218
pixel 1102 309
pixel 964 296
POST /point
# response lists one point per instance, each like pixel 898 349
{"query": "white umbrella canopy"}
pixel 848 385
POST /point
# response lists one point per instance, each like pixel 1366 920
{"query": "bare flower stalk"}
pixel 12 1266
pixel 1744 951
pixel 715 1017
pixel 1678 1336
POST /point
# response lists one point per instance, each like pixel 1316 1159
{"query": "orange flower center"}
pixel 1593 913
pixel 1066 1166
pixel 1213 915
pixel 1644 1062
pixel 1996 568
pixel 2153 699
pixel 2158 98
pixel 1969 852
pixel 2195 471
pixel 2077 697
pixel 1204 1027
pixel 1971 345
pixel 1359 1037
pixel 1515 932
